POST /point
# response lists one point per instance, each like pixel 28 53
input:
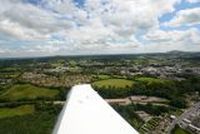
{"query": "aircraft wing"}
pixel 85 112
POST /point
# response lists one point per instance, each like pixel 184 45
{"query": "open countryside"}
pixel 17 111
pixel 27 91
pixel 142 57
pixel 114 83
pixel 149 100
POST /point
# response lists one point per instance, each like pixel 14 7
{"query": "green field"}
pixel 150 80
pixel 17 111
pixel 152 83
pixel 42 121
pixel 103 76
pixel 116 83
pixel 27 91
pixel 178 130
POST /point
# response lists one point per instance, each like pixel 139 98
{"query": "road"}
pixel 192 109
pixel 123 101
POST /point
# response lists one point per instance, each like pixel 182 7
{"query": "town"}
pixel 156 93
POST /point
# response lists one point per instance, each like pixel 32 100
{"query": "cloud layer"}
pixel 186 17
pixel 69 27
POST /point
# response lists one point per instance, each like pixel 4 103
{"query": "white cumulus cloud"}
pixel 186 17
pixel 51 27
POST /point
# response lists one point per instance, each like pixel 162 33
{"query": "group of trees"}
pixel 148 108
pixel 128 112
pixel 172 90
pixel 112 92
pixel 42 121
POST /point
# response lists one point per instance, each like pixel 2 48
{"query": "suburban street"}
pixel 189 111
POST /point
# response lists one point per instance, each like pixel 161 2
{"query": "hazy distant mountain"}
pixel 183 54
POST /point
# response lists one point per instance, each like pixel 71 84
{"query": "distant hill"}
pixel 183 54
pixel 170 54
pixel 176 52
pixel 180 52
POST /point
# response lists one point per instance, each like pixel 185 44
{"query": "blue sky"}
pixel 73 27
pixel 179 6
pixel 183 5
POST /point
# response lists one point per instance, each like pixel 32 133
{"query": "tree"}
pixel 178 102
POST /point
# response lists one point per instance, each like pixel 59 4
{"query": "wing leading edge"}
pixel 85 112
